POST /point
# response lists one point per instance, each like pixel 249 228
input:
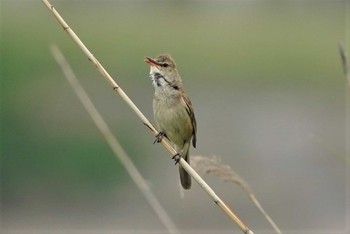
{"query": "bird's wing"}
pixel 190 112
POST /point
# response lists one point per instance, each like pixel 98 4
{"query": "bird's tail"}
pixel 185 178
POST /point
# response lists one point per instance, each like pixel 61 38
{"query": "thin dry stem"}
pixel 112 141
pixel 345 64
pixel 164 141
pixel 213 166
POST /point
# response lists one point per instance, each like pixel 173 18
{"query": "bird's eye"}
pixel 165 65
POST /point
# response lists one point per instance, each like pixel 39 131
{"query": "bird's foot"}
pixel 159 137
pixel 177 158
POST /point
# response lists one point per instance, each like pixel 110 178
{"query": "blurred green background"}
pixel 266 82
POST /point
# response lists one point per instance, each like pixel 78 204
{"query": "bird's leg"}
pixel 159 137
pixel 177 158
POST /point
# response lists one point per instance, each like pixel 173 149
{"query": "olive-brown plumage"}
pixel 172 109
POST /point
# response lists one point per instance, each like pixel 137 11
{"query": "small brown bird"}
pixel 172 109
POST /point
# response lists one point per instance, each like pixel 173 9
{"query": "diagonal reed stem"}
pixel 113 142
pixel 164 141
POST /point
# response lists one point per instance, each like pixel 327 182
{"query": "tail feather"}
pixel 185 178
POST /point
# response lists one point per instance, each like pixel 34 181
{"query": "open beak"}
pixel 151 61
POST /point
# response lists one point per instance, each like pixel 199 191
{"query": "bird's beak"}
pixel 151 61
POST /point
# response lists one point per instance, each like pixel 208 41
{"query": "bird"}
pixel 172 109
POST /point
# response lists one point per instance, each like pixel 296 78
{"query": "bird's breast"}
pixel 172 119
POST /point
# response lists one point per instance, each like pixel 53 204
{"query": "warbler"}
pixel 172 109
